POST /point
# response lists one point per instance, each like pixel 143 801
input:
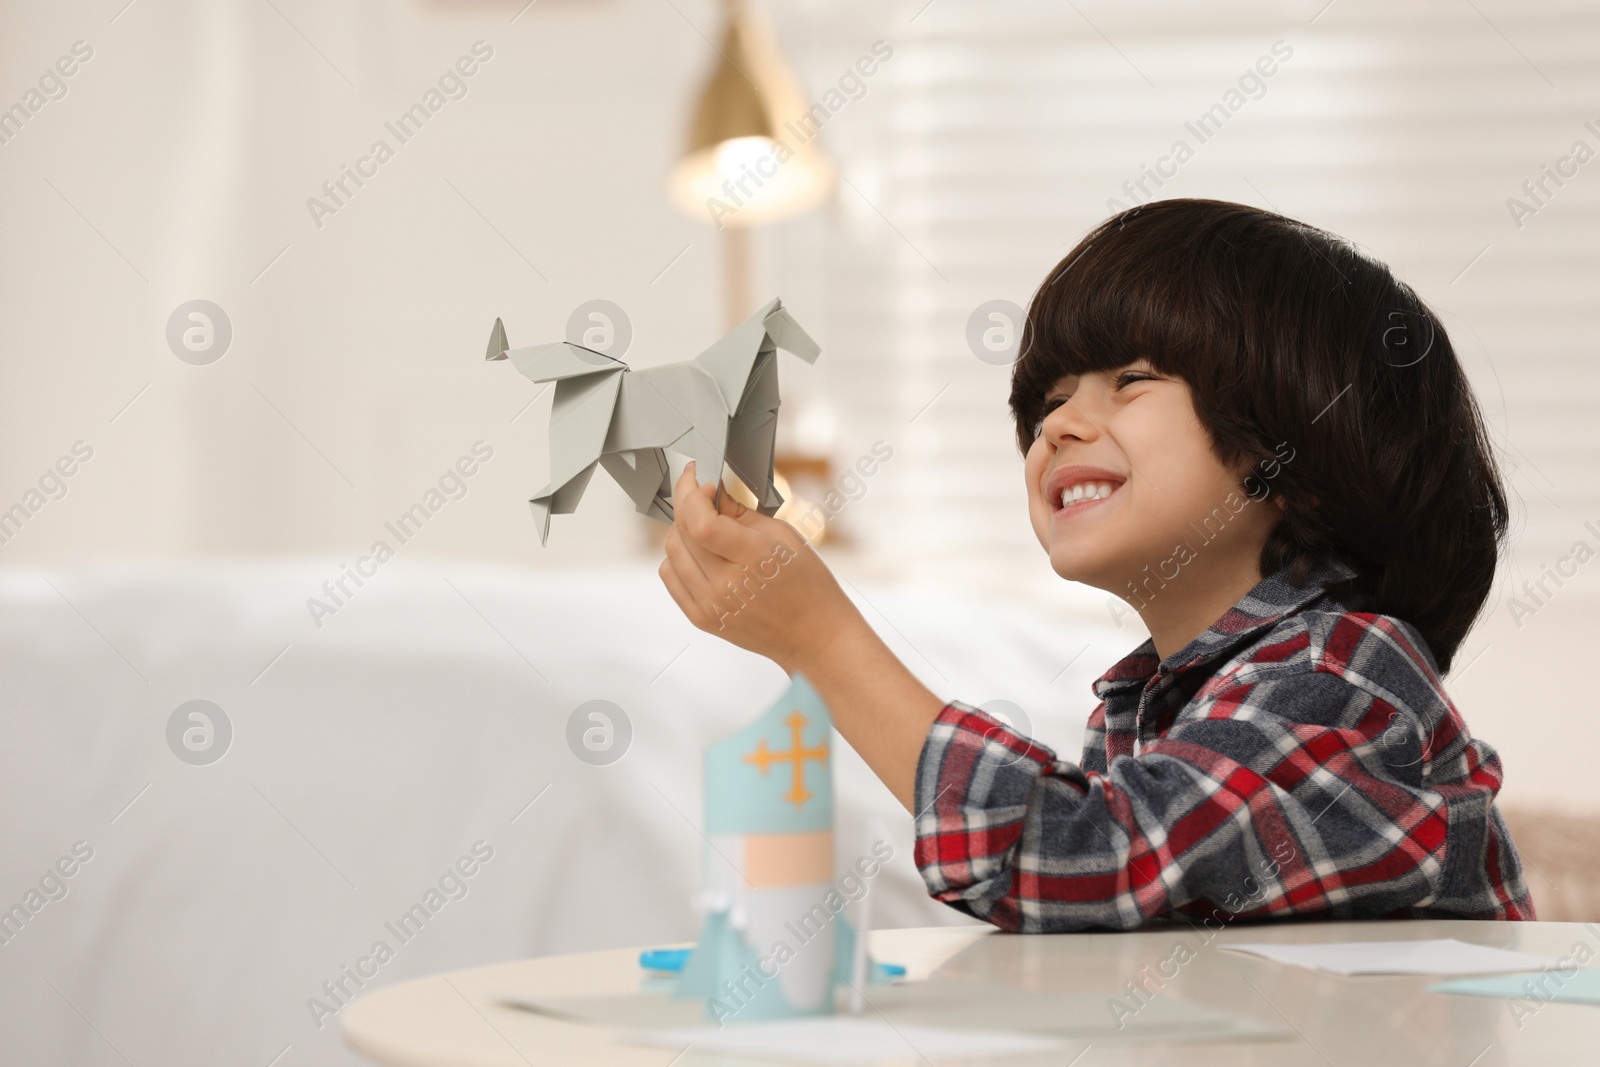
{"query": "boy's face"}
pixel 1150 492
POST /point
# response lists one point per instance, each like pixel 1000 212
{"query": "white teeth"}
pixel 1085 491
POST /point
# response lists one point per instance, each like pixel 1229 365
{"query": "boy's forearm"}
pixel 877 704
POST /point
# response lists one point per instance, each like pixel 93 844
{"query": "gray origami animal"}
pixel 721 406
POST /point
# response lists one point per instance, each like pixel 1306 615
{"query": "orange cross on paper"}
pixel 764 758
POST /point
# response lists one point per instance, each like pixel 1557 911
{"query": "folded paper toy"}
pixel 644 425
pixel 774 942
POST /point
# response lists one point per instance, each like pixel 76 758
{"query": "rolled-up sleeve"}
pixel 1235 806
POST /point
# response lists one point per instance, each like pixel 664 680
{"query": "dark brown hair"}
pixel 1287 334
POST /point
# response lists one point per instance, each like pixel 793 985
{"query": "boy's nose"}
pixel 1070 421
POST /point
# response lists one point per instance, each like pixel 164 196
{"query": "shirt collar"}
pixel 1272 599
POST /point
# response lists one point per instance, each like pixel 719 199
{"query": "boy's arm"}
pixel 877 703
pixel 1288 796
pixel 754 581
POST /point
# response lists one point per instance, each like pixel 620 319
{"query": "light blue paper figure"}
pixel 775 943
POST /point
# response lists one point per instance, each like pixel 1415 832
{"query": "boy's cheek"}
pixel 1033 469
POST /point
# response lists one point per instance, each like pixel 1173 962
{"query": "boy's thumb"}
pixel 727 505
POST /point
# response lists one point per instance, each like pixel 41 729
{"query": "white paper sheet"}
pixel 843 1040
pixel 1447 956
pixel 935 1004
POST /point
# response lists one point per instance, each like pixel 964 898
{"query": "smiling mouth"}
pixel 1083 496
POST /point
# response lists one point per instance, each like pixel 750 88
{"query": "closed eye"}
pixel 1122 381
pixel 1049 406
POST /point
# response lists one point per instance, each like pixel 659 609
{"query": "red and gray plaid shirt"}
pixel 1294 760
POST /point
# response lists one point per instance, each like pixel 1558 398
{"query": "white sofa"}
pixel 371 754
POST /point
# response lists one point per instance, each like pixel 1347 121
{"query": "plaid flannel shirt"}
pixel 1297 759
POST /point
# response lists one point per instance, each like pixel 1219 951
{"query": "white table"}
pixel 453 1020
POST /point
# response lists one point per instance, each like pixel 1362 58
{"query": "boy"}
pixel 1263 441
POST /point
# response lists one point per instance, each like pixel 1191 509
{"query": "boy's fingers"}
pixel 703 525
pixel 727 505
pixel 681 596
pixel 738 511
pixel 695 560
pixel 682 558
pixel 682 490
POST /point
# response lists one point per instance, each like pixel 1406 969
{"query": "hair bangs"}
pixel 1103 308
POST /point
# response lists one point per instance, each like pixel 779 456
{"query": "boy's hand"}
pixel 786 605
pixel 749 578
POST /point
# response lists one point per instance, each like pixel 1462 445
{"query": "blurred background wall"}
pixel 180 159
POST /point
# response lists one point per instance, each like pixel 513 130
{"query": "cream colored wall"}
pixel 179 163
pixel 1531 695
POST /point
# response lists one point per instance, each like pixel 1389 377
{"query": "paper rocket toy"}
pixel 770 946
pixel 719 407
